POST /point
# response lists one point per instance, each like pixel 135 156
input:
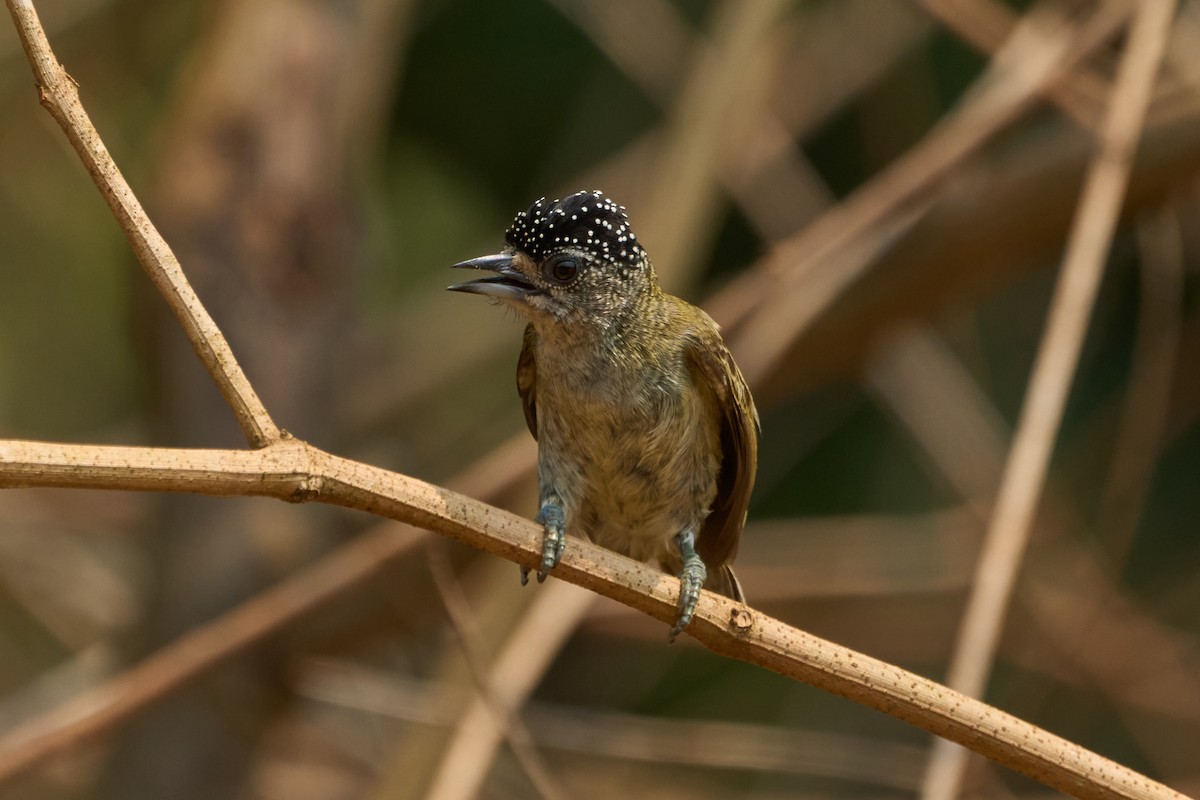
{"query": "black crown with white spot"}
pixel 585 220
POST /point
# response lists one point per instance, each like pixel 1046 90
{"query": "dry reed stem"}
pixel 770 181
pixel 985 24
pixel 685 196
pixel 647 40
pixel 1069 599
pixel 491 692
pixel 527 654
pixel 489 477
pixel 1025 470
pixel 811 270
pixel 942 407
pixel 1070 603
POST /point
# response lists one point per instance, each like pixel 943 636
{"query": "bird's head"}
pixel 573 260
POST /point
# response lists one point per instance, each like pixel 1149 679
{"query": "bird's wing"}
pixel 527 379
pixel 713 369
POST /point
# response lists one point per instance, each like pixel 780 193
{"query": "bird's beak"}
pixel 509 283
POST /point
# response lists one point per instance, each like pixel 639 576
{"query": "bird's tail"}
pixel 723 581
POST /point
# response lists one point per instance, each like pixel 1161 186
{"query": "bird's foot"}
pixel 553 541
pixel 691 580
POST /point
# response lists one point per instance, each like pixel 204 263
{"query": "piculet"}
pixel 647 433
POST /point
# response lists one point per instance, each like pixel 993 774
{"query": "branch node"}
pixel 741 620
pixel 307 490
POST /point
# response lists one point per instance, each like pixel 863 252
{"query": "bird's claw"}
pixel 553 542
pixel 691 580
pixel 553 545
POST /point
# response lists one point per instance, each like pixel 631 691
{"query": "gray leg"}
pixel 691 579
pixel 553 542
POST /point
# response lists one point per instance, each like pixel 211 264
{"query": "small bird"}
pixel 647 433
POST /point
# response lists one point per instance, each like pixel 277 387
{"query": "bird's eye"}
pixel 562 269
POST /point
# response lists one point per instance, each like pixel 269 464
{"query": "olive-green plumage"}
pixel 647 434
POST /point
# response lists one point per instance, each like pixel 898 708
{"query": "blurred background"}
pixel 871 196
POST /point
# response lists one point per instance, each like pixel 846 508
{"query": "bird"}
pixel 647 432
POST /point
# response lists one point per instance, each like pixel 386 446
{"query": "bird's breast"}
pixel 634 456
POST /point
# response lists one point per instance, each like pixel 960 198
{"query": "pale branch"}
pixel 59 93
pixel 295 471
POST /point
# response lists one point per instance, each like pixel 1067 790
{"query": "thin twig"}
pixel 1025 470
pixel 295 471
pixel 59 93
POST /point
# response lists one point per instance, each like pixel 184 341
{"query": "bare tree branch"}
pixel 295 471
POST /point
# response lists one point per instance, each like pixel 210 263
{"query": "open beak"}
pixel 507 284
